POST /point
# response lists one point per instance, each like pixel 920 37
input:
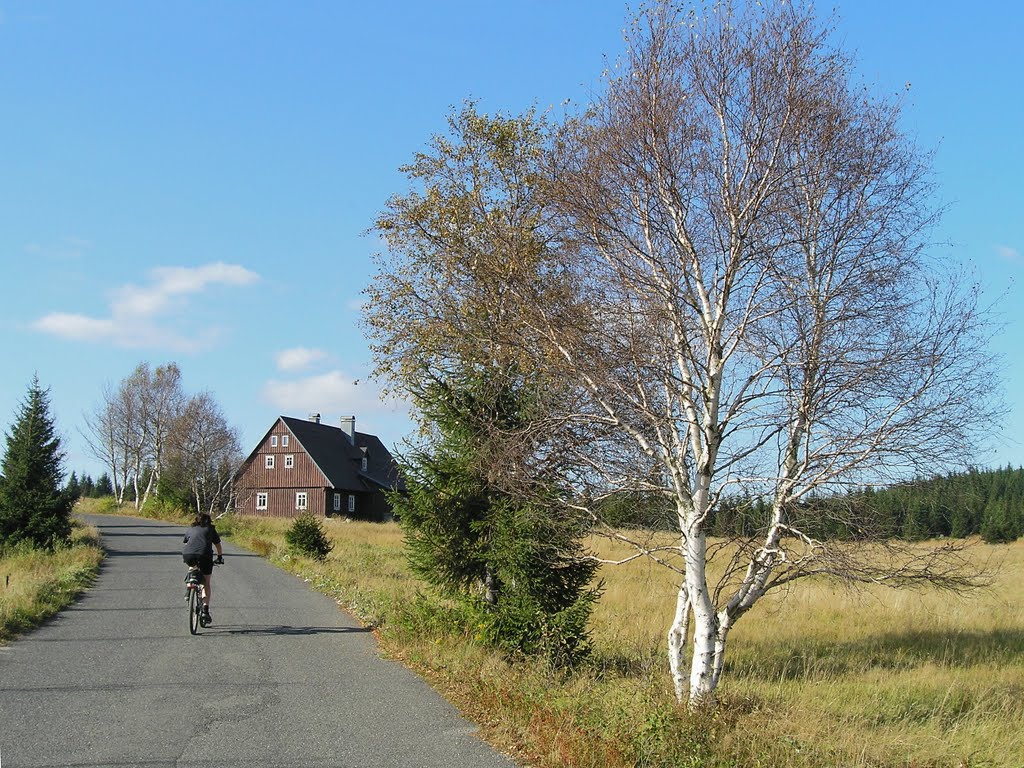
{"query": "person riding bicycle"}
pixel 199 541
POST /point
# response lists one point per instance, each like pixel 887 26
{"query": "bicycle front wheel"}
pixel 195 610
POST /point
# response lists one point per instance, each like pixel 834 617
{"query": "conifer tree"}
pixel 34 505
pixel 74 487
pixel 481 519
pixel 103 487
pixel 519 567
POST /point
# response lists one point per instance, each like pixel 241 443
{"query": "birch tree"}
pixel 106 435
pixel 162 403
pixel 130 428
pixel 754 308
pixel 202 454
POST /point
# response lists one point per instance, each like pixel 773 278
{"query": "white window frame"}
pixel 351 503
pixel 268 461
pixel 337 502
pixel 273 441
pixel 289 460
pixel 284 441
pixel 261 500
pixel 301 500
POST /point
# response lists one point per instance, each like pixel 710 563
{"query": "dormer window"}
pixel 365 464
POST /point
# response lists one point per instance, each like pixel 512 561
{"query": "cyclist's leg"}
pixel 207 568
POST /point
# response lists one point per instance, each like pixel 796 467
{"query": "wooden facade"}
pixel 303 466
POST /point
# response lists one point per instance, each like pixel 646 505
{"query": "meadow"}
pixel 819 676
pixel 35 584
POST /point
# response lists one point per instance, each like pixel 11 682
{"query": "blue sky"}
pixel 193 181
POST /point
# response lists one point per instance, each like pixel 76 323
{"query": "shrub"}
pixel 307 537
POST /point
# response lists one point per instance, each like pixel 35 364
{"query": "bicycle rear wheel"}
pixel 195 610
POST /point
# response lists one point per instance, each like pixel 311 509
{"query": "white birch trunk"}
pixel 705 620
pixel 724 625
pixel 677 635
pixel 149 488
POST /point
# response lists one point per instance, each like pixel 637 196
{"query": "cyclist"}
pixel 200 541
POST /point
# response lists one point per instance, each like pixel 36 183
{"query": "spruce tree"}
pixel 34 505
pixel 74 487
pixel 103 486
pixel 516 563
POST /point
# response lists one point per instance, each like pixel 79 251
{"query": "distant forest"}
pixel 989 503
pixel 89 488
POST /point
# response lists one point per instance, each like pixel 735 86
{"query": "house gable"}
pixel 319 461
pixel 279 449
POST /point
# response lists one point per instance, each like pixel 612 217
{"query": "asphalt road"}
pixel 282 678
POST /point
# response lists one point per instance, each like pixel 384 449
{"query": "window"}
pixel 284 441
pixel 289 461
pixel 337 502
pixel 270 461
pixel 365 463
pixel 261 501
pixel 300 500
pixel 273 441
pixel 351 503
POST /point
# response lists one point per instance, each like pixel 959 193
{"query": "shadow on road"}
pixel 137 553
pixel 284 629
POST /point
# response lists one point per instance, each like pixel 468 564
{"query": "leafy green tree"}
pixel 34 505
pixel 480 515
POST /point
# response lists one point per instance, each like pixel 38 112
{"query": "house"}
pixel 302 466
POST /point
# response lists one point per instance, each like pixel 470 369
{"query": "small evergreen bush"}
pixel 307 537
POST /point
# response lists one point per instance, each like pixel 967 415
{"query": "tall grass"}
pixel 36 584
pixel 817 677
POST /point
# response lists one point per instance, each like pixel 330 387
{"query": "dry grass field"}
pixel 34 585
pixel 816 678
pixel 865 678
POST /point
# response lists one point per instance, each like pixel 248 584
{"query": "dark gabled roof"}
pixel 341 461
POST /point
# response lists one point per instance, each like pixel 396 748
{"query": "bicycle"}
pixel 195 591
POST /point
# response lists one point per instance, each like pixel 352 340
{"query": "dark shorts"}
pixel 205 562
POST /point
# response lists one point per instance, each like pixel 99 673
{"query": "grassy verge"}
pixel 155 509
pixel 816 678
pixel 34 584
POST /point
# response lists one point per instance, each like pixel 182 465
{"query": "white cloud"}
pixel 171 282
pixel 75 327
pixel 1009 254
pixel 135 310
pixel 298 358
pixel 333 392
